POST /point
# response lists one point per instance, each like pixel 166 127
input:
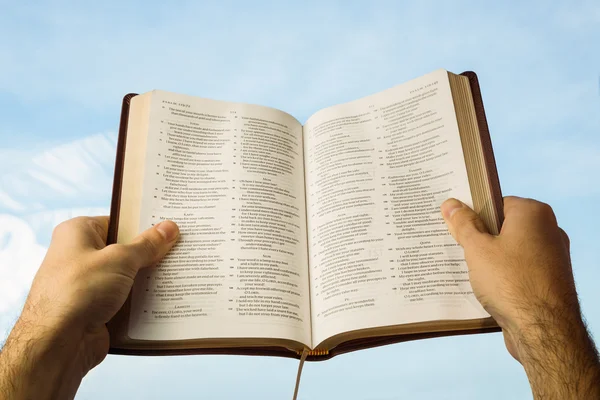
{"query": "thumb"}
pixel 463 223
pixel 154 243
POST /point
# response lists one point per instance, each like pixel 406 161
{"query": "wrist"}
pixel 536 317
pixel 557 352
pixel 536 325
pixel 41 351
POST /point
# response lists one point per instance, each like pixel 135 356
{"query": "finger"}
pixel 512 203
pixel 153 244
pixel 82 232
pixel 565 238
pixel 513 212
pixel 519 211
pixel 100 226
pixel 464 224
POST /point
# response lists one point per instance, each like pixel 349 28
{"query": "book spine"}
pixel 315 352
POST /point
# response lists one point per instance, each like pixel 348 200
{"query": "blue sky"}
pixel 64 68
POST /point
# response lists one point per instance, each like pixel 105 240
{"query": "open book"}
pixel 326 236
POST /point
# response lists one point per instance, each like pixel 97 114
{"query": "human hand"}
pixel 524 280
pixel 79 287
pixel 521 272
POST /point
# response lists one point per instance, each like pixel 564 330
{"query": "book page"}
pixel 377 171
pixel 231 176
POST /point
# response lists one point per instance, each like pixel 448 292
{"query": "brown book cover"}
pixel 316 355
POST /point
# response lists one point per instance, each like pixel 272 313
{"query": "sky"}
pixel 65 66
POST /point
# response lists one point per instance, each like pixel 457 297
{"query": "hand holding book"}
pixel 523 278
pixel 61 334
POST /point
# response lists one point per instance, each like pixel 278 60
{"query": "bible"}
pixel 310 239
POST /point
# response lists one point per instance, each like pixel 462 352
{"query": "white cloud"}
pixel 20 257
pixel 9 203
pixel 78 162
pixel 44 222
pixel 72 174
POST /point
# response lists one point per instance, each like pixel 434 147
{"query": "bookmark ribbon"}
pixel 302 359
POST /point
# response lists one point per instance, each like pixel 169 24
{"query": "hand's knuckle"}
pixel 564 235
pixel 96 226
pixel 512 201
pixel 65 227
pixel 542 209
pixel 80 220
pixel 58 229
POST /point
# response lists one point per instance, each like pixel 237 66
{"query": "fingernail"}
pixel 168 229
pixel 449 207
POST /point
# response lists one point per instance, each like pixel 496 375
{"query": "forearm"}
pixel 559 356
pixel 36 363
